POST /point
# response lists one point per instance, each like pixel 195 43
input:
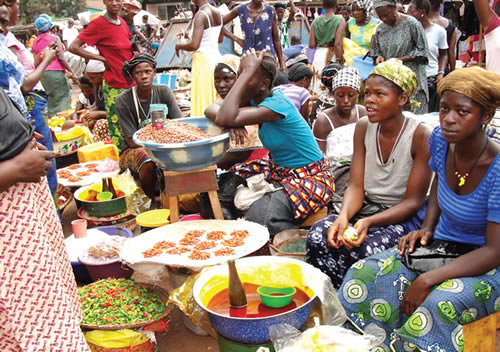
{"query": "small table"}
pixel 192 181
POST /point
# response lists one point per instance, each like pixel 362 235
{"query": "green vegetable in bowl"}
pixel 119 302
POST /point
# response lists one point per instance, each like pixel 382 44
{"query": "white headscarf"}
pixel 95 66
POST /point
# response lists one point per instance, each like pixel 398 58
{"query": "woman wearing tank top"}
pixel 207 26
pixel 388 181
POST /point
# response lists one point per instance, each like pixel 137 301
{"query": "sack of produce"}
pixel 120 341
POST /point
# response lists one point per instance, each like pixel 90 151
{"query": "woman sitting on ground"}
pixel 244 146
pixel 425 305
pixel 296 161
pixel 388 180
pixel 334 127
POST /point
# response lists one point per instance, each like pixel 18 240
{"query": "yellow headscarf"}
pixel 399 74
pixel 476 83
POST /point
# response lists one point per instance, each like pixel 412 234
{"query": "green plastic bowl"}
pixel 276 297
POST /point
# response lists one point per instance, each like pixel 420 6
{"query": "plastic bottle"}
pixel 236 292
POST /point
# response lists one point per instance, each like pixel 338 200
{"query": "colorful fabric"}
pixel 43 23
pixel 57 88
pixel 362 35
pixel 39 303
pixel 101 131
pixel 476 83
pixel 335 262
pixel 308 188
pixel 283 29
pixel 25 55
pixel 289 140
pixel 406 39
pixel 347 77
pixel 115 134
pixel 259 34
pixel 44 40
pixel 203 93
pixel 464 218
pixel 399 74
pixel 36 102
pixel 365 5
pixel 133 159
pixel 12 76
pixel 113 42
pixel 373 289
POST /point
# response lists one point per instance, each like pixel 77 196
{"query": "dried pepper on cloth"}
pixel 119 302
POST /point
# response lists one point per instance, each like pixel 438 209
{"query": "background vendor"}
pixel 132 107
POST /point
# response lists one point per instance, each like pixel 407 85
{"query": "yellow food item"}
pixel 351 234
pixel 98 151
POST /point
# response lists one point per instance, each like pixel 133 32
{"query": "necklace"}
pixel 463 178
pixel 150 101
pixel 379 149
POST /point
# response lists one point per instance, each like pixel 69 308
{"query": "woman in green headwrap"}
pixel 388 180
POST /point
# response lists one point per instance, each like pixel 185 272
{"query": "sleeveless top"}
pixel 386 183
pixel 258 34
pixel 209 44
pixel 340 141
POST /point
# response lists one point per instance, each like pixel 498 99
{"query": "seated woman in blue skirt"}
pixel 422 304
pixel 388 180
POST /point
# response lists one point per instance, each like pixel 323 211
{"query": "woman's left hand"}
pixel 362 227
pixel 415 295
pixel 238 135
pixel 251 60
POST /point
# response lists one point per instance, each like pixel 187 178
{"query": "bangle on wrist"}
pixel 441 73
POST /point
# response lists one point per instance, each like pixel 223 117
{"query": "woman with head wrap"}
pixel 245 144
pixel 326 37
pixel 297 90
pixel 325 100
pixel 402 37
pixel 54 79
pixel 133 109
pixel 425 303
pixel 296 161
pixel 362 25
pixel 388 180
pixel 334 127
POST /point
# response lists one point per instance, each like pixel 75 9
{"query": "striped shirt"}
pixel 464 218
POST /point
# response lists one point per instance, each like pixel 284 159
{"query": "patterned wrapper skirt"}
pixel 39 303
pixel 373 290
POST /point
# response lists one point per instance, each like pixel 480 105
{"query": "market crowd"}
pixel 400 158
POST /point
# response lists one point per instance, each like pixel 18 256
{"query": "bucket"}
pixel 153 219
pixel 290 243
pixel 166 79
pixel 365 67
pixel 191 217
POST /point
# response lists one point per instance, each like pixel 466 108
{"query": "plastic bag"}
pixel 120 340
pixel 228 183
pixel 137 201
pixel 257 188
pixel 351 49
pixel 321 338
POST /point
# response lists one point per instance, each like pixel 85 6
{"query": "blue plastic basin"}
pixel 365 67
pixel 189 155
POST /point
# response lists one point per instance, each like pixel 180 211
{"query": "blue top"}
pixel 289 140
pixel 259 34
pixel 464 218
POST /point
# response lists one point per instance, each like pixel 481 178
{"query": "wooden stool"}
pixel 192 181
pixel 481 335
pixel 323 213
